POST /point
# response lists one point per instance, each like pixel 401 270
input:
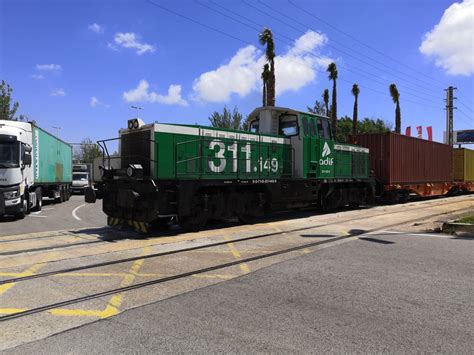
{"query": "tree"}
pixel 89 151
pixel 326 101
pixel 396 100
pixel 367 125
pixel 317 109
pixel 227 119
pixel 7 107
pixel 266 38
pixel 355 91
pixel 332 70
pixel 265 77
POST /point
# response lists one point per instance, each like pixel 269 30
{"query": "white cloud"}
pixel 96 28
pixel 49 67
pixel 95 102
pixel 241 75
pixel 57 92
pixel 130 40
pixel 37 76
pixel 141 94
pixel 451 41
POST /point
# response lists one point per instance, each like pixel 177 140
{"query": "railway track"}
pixel 184 274
pixel 211 245
pixel 296 214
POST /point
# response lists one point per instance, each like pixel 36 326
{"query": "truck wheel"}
pixel 39 200
pixel 24 209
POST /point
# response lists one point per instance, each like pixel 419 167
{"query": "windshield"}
pixel 9 155
pixel 80 177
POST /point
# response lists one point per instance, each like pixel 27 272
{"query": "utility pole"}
pixel 449 114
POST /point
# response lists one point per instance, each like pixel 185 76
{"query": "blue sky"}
pixel 80 65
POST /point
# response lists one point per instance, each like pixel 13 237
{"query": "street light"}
pixel 57 128
pixel 136 108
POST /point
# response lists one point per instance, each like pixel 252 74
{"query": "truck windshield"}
pixel 80 177
pixel 9 154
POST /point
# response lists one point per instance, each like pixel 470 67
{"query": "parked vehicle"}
pixel 81 177
pixel 287 159
pixel 33 164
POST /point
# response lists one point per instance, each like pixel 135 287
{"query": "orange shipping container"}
pixel 398 159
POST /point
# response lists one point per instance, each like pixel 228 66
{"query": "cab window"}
pixel 327 129
pixel 288 125
pixel 324 129
pixel 254 125
pixel 312 127
pixel 305 126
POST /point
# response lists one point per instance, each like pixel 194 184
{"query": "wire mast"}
pixel 449 114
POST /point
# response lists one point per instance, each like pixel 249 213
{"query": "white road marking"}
pixel 75 210
pixel 33 215
pixel 36 213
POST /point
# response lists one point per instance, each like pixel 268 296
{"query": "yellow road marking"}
pixel 11 310
pixel 28 272
pixel 243 266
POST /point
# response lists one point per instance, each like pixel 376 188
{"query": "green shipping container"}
pixel 52 158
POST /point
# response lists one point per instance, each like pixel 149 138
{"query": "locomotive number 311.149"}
pixel 219 163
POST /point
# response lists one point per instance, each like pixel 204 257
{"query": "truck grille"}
pixel 136 149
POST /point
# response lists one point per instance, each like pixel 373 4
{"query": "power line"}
pixel 196 22
pixel 334 47
pixel 245 42
pixel 290 42
pixel 462 103
pixel 360 42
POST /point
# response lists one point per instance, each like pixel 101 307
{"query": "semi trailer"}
pixel 33 164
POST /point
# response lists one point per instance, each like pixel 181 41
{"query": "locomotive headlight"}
pixel 130 124
pixel 135 124
pixel 135 170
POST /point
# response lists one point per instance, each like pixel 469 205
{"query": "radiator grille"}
pixel 136 149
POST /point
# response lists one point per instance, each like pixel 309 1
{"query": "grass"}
pixel 467 219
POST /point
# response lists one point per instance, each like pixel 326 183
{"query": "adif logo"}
pixel 326 151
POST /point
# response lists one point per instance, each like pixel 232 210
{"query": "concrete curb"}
pixel 453 227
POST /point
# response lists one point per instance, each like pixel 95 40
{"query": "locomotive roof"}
pixel 283 110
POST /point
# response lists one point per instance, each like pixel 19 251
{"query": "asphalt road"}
pixel 396 293
pixel 73 214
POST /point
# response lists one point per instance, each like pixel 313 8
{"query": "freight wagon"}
pixel 33 164
pixel 463 168
pixel 287 159
pixel 404 165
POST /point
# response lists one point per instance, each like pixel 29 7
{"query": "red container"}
pixel 398 159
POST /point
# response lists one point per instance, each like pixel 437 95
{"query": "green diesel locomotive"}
pixel 287 159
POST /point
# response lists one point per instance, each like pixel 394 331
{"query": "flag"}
pixel 429 130
pixel 408 131
pixel 419 129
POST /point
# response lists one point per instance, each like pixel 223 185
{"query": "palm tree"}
pixel 266 38
pixel 355 91
pixel 326 100
pixel 265 77
pixel 396 100
pixel 332 70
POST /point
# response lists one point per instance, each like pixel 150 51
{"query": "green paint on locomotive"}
pixel 190 152
pixel 194 152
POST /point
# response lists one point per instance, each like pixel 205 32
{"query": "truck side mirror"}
pixel 27 159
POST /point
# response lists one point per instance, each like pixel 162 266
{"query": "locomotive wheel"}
pixel 161 223
pixel 247 218
pixel 329 203
pixel 193 223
